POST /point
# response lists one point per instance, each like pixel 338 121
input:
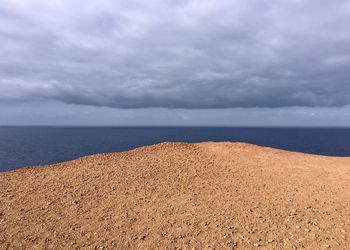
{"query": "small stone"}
pixel 142 237
pixel 256 245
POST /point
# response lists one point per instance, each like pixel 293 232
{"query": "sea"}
pixel 32 146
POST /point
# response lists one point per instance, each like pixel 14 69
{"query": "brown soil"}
pixel 177 195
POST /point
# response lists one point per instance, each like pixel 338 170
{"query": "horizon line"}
pixel 174 126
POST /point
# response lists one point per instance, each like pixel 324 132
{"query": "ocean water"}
pixel 28 146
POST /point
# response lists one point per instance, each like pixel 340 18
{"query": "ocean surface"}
pixel 28 146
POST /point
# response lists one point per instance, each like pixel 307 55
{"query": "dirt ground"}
pixel 180 196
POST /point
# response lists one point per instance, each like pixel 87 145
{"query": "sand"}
pixel 180 196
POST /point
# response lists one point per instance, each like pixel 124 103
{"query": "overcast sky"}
pixel 176 62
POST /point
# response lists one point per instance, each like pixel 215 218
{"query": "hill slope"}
pixel 206 195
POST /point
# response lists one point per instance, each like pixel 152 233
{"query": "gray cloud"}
pixel 176 54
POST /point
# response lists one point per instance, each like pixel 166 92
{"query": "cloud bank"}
pixel 195 54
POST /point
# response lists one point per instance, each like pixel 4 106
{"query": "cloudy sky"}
pixel 175 62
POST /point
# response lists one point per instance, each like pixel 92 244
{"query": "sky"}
pixel 175 62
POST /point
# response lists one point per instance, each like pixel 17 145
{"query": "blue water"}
pixel 28 146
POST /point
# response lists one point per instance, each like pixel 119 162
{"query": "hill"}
pixel 175 195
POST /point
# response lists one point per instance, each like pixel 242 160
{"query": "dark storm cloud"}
pixel 176 54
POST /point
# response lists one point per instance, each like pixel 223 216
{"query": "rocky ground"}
pixel 180 196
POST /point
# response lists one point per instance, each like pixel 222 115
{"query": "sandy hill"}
pixel 180 196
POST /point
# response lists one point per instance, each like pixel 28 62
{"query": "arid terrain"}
pixel 180 196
